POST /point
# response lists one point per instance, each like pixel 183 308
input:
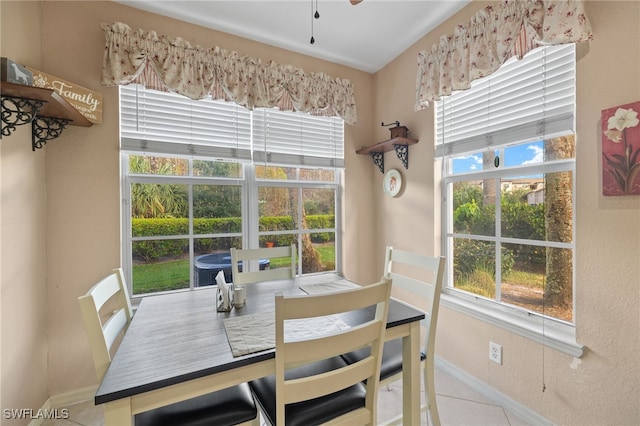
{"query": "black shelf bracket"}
pixel 378 160
pixel 402 151
pixel 18 111
pixel 44 129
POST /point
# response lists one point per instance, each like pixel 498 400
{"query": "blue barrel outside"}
pixel 206 267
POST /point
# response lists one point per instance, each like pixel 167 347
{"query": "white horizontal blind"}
pixel 293 138
pixel 169 123
pixel 524 100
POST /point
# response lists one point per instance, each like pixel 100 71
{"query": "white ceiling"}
pixel 366 36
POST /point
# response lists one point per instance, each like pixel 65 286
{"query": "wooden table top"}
pixel 180 336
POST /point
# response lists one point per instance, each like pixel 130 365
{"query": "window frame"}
pixel 300 185
pixel 250 234
pixel 188 180
pixel 549 331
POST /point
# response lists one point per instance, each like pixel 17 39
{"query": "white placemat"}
pixel 256 332
pixel 251 333
pixel 328 287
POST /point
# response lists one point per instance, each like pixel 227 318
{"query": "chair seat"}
pixel 391 358
pixel 222 408
pixel 313 411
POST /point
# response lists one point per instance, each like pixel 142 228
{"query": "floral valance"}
pixel 161 63
pixel 495 34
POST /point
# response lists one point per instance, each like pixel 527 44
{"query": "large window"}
pixel 507 147
pixel 510 231
pixel 200 177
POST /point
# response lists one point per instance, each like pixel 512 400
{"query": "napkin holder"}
pixel 224 294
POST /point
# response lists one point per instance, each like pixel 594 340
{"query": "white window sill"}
pixel 554 334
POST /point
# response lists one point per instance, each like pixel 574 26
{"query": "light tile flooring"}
pixel 458 405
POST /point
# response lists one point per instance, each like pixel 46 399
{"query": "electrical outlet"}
pixel 495 352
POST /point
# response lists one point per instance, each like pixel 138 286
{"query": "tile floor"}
pixel 457 403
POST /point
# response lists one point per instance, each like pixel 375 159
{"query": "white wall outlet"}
pixel 495 352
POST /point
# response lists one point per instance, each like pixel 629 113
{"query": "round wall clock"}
pixel 392 183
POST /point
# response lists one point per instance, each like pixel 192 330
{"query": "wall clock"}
pixel 392 183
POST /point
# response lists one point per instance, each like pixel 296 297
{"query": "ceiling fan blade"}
pixel 355 2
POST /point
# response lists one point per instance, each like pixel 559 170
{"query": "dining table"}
pixel 176 347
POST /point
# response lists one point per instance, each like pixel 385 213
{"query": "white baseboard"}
pixel 526 414
pixel 38 421
pixel 54 403
pixel 73 397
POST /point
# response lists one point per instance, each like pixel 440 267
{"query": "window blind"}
pixel 284 137
pixel 168 123
pixel 524 100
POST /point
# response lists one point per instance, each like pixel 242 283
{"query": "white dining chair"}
pixel 249 256
pixel 420 276
pixel 313 384
pixel 106 311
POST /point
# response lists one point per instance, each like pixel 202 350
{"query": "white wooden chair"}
pixel 426 289
pixel 420 276
pixel 313 384
pixel 247 256
pixel 214 408
pixel 103 334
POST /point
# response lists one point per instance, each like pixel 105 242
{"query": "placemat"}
pixel 256 332
pixel 251 333
pixel 328 287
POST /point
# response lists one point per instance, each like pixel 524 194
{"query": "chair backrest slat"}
pixel 413 285
pixel 266 275
pixel 114 326
pixel 328 303
pixel 330 382
pixel 332 345
pixel 252 256
pixel 410 258
pixel 104 290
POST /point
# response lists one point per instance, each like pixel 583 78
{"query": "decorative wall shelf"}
pixel 47 112
pixel 399 144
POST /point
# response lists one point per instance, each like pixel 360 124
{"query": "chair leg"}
pixel 430 390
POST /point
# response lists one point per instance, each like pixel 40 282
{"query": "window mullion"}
pixel 250 209
pixel 498 226
pixel 126 225
pixel 191 237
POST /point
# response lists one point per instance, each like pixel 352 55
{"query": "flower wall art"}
pixel 621 150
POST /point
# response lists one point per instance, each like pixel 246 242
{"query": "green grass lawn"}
pixel 161 276
pixel 174 274
pixel 483 283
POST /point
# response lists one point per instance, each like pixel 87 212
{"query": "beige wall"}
pixel 603 387
pixel 80 214
pixel 23 234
